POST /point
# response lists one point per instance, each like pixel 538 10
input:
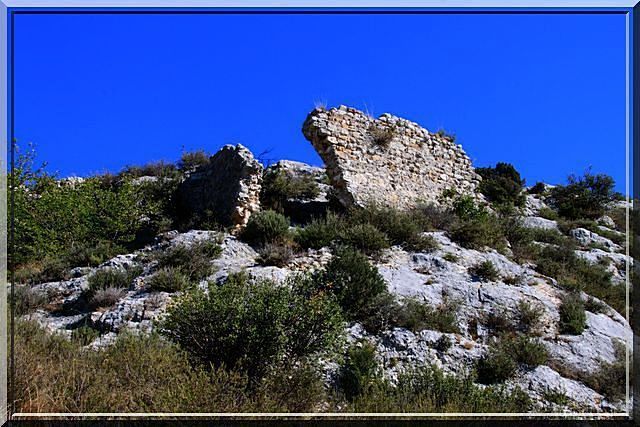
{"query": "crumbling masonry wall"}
pixel 388 160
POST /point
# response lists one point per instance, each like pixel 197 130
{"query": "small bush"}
pixel 583 197
pixel 426 389
pixel 359 371
pixel 548 213
pixel 442 133
pixel 401 228
pixel 417 316
pixel 112 278
pixel 529 316
pixel 278 187
pixel 502 184
pixel 443 344
pixel 251 326
pixel 84 335
pixel 423 243
pixel 381 135
pixel 366 238
pixel 496 366
pixel 451 257
pixel 277 254
pixel 26 299
pixel 265 227
pixel 556 396
pixel 159 169
pixel 572 315
pixel 191 160
pixel 478 232
pixel 353 280
pixel 526 351
pixel 168 279
pixel 381 313
pixel 320 232
pixel 538 188
pixel 498 322
pixel 484 272
pixel 106 297
pixel 595 306
pixel 193 261
pixel 610 379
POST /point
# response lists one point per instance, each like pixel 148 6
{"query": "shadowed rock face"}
pixel 387 160
pixel 228 187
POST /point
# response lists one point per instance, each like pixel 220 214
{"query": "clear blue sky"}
pixel 98 92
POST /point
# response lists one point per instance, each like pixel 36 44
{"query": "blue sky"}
pixel 98 92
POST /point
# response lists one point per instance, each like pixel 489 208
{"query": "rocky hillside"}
pixel 488 280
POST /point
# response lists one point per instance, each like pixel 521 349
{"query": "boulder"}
pixel 228 187
pixel 388 160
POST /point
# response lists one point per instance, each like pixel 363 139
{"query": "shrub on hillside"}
pixel 278 254
pixel 265 227
pixel 538 188
pixel 528 316
pixel 495 366
pixel 278 187
pixel 191 160
pixel 167 279
pixel 365 237
pixel 417 316
pixel 353 280
pixel 113 278
pixel 484 271
pixel 573 318
pixel 157 169
pixel 320 232
pixel 610 378
pixel 427 389
pixel 583 197
pixel 192 261
pixel 502 184
pixel 251 326
pixel 359 371
pixel 26 299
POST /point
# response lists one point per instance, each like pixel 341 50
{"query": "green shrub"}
pixel 529 316
pixel 353 280
pixel 502 184
pixel 583 197
pixel 320 232
pixel 496 366
pixel 381 135
pixel 84 335
pixel 498 322
pixel 106 297
pixel 359 371
pixel 423 243
pixel 265 227
pixel 526 351
pixel 365 237
pixel 251 326
pixel 277 254
pixel 443 343
pixel 550 236
pixel 158 169
pixel 167 279
pixel 610 379
pixel 451 257
pixel 193 261
pixel 112 278
pixel 538 188
pixel 278 187
pixel 426 389
pixel 26 299
pixel 595 306
pixel 478 232
pixel 401 228
pixel 548 213
pixel 380 313
pixel 191 160
pixel 484 271
pixel 417 316
pixel 572 315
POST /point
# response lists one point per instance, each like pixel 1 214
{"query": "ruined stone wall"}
pixel 387 160
pixel 228 188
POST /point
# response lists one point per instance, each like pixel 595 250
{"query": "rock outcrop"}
pixel 387 160
pixel 228 188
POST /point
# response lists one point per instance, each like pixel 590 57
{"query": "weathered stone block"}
pixel 228 188
pixel 387 160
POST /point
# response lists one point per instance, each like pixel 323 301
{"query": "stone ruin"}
pixel 228 188
pixel 389 160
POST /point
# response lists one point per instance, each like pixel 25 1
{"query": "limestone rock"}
pixel 387 160
pixel 539 222
pixel 228 187
pixel 587 238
